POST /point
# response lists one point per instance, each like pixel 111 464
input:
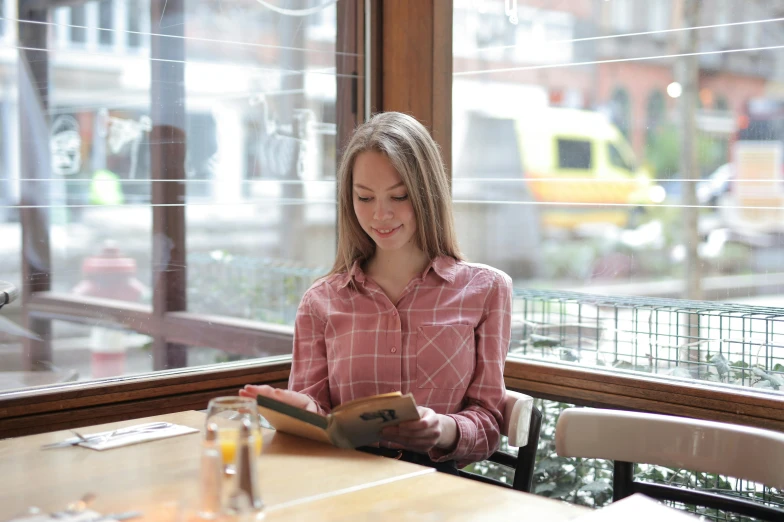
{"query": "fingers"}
pixel 252 390
pixel 289 397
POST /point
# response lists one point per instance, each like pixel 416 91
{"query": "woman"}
pixel 400 309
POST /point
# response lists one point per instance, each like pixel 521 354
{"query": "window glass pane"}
pixel 579 123
pixel 78 24
pixel 134 15
pixel 574 154
pixel 220 118
pixel 106 21
pixel 100 217
pixel 260 161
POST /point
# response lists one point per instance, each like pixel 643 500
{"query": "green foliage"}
pixel 663 152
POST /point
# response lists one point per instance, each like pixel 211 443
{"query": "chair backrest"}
pixel 522 423
pixel 517 418
pixel 713 447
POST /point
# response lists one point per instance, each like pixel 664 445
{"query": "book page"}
pixel 293 426
pixel 361 421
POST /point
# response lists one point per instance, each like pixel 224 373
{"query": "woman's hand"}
pixel 293 398
pixel 432 430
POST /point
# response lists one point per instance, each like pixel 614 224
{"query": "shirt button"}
pixel 394 312
pixel 393 350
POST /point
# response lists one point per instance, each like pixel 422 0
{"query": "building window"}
pixel 134 24
pixel 621 15
pixel 655 112
pixel 105 21
pixel 659 16
pixel 620 109
pixel 78 23
pixel 722 19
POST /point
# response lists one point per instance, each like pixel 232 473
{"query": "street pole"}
pixel 293 59
pixel 689 80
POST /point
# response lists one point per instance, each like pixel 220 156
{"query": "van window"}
pixel 616 159
pixel 574 154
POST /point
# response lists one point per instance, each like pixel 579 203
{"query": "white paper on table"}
pixel 124 438
pixel 80 516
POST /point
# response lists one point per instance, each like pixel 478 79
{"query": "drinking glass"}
pixel 227 413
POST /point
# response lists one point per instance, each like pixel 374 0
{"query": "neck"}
pixel 402 264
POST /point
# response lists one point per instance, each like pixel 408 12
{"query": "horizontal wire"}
pixel 282 72
pixel 643 33
pixel 281 182
pixel 454 180
pixel 615 60
pixel 193 38
pixel 297 201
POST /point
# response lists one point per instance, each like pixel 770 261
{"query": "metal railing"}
pixel 265 290
pixel 710 341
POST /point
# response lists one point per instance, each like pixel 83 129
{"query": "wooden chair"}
pixel 522 423
pixel 675 442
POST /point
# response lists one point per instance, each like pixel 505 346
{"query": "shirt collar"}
pixel 444 267
pixel 355 273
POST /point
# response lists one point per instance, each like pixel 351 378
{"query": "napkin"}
pixel 133 435
pixel 80 516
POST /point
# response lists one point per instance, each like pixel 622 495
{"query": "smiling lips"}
pixel 386 232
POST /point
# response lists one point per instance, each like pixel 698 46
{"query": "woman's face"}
pixel 381 202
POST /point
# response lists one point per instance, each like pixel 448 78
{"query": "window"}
pixel 133 11
pixel 574 154
pixel 617 159
pixel 620 108
pixel 208 152
pixel 632 97
pixel 659 16
pixel 106 21
pixel 78 24
pixel 723 28
pixel 621 15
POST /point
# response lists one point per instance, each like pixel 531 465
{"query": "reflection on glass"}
pixel 569 146
pixel 260 162
pixel 226 107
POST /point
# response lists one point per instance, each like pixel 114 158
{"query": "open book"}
pixel 352 424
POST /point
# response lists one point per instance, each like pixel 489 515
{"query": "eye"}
pixel 363 200
pixel 400 198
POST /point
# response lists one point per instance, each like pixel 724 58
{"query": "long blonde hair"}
pixel 415 156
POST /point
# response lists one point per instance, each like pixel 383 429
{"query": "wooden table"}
pixel 299 479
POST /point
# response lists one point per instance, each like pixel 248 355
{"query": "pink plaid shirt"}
pixel 446 342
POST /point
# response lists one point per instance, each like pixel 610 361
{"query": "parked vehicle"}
pixel 554 170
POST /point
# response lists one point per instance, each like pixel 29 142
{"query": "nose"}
pixel 382 210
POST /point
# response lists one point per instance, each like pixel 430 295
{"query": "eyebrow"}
pixel 357 185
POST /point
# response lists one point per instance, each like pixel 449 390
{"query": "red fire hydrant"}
pixel 109 275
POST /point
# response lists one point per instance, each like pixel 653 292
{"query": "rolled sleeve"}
pixel 479 422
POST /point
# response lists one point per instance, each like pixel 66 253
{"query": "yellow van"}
pixel 576 165
pixel 580 169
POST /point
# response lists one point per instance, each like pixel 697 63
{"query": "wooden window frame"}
pixel 410 72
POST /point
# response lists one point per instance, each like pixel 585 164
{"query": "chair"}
pixel 522 423
pixel 676 442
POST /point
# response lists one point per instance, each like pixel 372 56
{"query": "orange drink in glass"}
pixel 227 442
pixel 227 413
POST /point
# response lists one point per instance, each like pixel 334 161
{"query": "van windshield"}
pixel 616 159
pixel 574 154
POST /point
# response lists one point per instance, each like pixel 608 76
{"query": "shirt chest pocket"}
pixel 445 356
